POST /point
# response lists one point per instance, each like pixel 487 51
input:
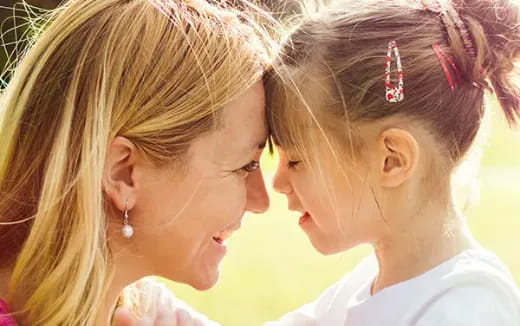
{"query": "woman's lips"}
pixel 222 236
pixel 219 247
pixel 304 218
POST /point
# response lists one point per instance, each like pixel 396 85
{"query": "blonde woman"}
pixel 131 133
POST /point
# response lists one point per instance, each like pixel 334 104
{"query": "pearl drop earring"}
pixel 127 230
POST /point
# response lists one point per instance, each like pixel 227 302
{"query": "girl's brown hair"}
pixel 340 52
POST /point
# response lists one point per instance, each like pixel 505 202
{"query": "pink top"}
pixel 5 320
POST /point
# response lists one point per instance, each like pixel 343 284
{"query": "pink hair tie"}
pixel 463 31
pixel 437 7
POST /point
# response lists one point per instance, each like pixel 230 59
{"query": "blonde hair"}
pixel 154 71
pixel 342 49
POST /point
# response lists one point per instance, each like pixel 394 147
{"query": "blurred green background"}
pixel 271 268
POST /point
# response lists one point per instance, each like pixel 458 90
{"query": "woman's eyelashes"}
pixel 248 168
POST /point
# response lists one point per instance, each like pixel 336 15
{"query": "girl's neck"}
pixel 431 238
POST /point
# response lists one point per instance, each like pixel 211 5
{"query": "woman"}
pixel 125 128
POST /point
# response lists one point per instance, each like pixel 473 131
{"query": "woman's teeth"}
pixel 222 236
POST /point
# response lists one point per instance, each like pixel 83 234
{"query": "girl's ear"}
pixel 119 182
pixel 398 156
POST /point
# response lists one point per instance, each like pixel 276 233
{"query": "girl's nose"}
pixel 281 182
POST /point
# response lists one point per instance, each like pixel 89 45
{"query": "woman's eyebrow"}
pixel 260 145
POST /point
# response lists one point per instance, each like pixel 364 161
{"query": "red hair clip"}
pixel 394 94
pixel 443 57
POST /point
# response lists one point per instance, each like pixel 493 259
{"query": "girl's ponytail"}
pixel 494 26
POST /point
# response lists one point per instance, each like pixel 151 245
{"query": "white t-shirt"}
pixel 473 288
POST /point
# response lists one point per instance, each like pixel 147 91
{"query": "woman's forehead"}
pixel 244 120
pixel 242 132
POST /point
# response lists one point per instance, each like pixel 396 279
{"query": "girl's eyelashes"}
pixel 292 164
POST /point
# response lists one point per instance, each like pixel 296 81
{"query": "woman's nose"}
pixel 257 197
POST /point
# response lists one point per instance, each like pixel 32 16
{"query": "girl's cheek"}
pixel 305 190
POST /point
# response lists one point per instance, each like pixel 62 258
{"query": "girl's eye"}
pixel 251 167
pixel 292 164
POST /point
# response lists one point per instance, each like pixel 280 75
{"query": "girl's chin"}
pixel 324 246
pixel 326 250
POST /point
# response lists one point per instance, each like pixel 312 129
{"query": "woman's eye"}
pixel 292 164
pixel 251 167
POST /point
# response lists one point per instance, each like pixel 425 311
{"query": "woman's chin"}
pixel 206 281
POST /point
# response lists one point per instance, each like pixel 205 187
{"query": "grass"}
pixel 271 267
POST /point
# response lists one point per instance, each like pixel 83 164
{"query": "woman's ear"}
pixel 398 154
pixel 118 175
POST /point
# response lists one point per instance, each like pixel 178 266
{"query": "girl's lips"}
pixel 305 218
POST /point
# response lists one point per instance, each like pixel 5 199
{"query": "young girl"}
pixel 372 105
pixel 130 138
